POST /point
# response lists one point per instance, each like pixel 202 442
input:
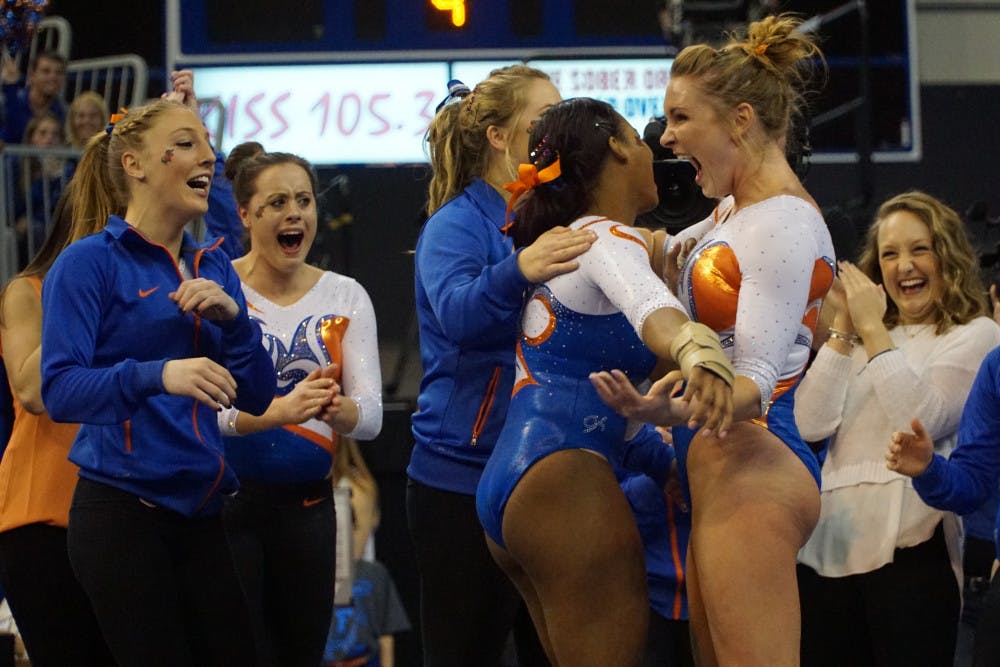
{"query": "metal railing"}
pixel 121 80
pixel 213 114
pixel 26 204
pixel 54 33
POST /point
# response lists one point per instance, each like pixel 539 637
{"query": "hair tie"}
pixel 528 178
pixel 760 49
pixel 115 117
pixel 456 91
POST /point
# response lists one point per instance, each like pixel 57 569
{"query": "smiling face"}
pixel 911 269
pixel 281 215
pixel 174 164
pixel 48 76
pixel 86 119
pixel 47 133
pixel 695 132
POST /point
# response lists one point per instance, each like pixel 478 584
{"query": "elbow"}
pixel 57 411
pixel 809 429
pixel 50 402
pixel 810 434
pixel 29 397
pixel 26 389
pixel 369 422
pixel 32 403
pixel 369 431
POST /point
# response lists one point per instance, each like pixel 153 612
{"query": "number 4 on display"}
pixel 456 7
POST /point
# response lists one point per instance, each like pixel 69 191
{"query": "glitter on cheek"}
pixel 168 156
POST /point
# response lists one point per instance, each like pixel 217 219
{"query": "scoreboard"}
pixel 372 68
pixel 328 30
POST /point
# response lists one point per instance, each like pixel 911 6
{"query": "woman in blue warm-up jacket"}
pixel 145 336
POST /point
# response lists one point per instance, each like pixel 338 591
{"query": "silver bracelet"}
pixel 850 339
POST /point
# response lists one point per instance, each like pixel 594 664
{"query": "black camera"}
pixel 681 202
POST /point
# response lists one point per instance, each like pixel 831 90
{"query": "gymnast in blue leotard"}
pixel 556 519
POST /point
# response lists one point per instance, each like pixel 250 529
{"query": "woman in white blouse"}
pixel 879 577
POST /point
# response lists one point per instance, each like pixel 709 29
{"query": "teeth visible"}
pixel 912 283
pixel 200 182
pixel 290 239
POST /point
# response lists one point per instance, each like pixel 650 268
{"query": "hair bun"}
pixel 239 156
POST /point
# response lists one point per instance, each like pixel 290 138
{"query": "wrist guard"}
pixel 697 346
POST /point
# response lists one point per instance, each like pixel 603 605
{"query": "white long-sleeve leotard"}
pixel 757 276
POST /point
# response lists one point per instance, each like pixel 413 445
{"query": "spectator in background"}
pixel 878 577
pixel 39 182
pixel 41 93
pixel 361 633
pixel 88 115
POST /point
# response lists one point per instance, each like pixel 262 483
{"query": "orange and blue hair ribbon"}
pixel 528 178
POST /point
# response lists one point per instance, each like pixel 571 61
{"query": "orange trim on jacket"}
pixel 486 405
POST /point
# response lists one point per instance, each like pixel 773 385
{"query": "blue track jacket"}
pixel 968 478
pixel 469 292
pixel 108 327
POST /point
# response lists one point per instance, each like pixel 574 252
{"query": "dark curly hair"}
pixel 575 132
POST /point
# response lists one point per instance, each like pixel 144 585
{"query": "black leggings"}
pixel 162 584
pixel 283 539
pixel 468 606
pixel 53 614
pixel 904 613
pixel 669 643
pixel 986 650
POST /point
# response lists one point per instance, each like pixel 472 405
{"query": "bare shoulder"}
pixel 20 299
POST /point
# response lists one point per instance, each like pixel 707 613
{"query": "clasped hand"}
pixel 707 400
pixel 859 303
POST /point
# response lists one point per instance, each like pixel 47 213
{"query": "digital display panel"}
pixel 379 113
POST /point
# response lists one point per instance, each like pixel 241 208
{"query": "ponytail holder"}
pixel 115 117
pixel 528 178
pixel 456 92
pixel 760 50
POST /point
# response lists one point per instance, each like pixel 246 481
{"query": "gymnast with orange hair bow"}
pixel 557 521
